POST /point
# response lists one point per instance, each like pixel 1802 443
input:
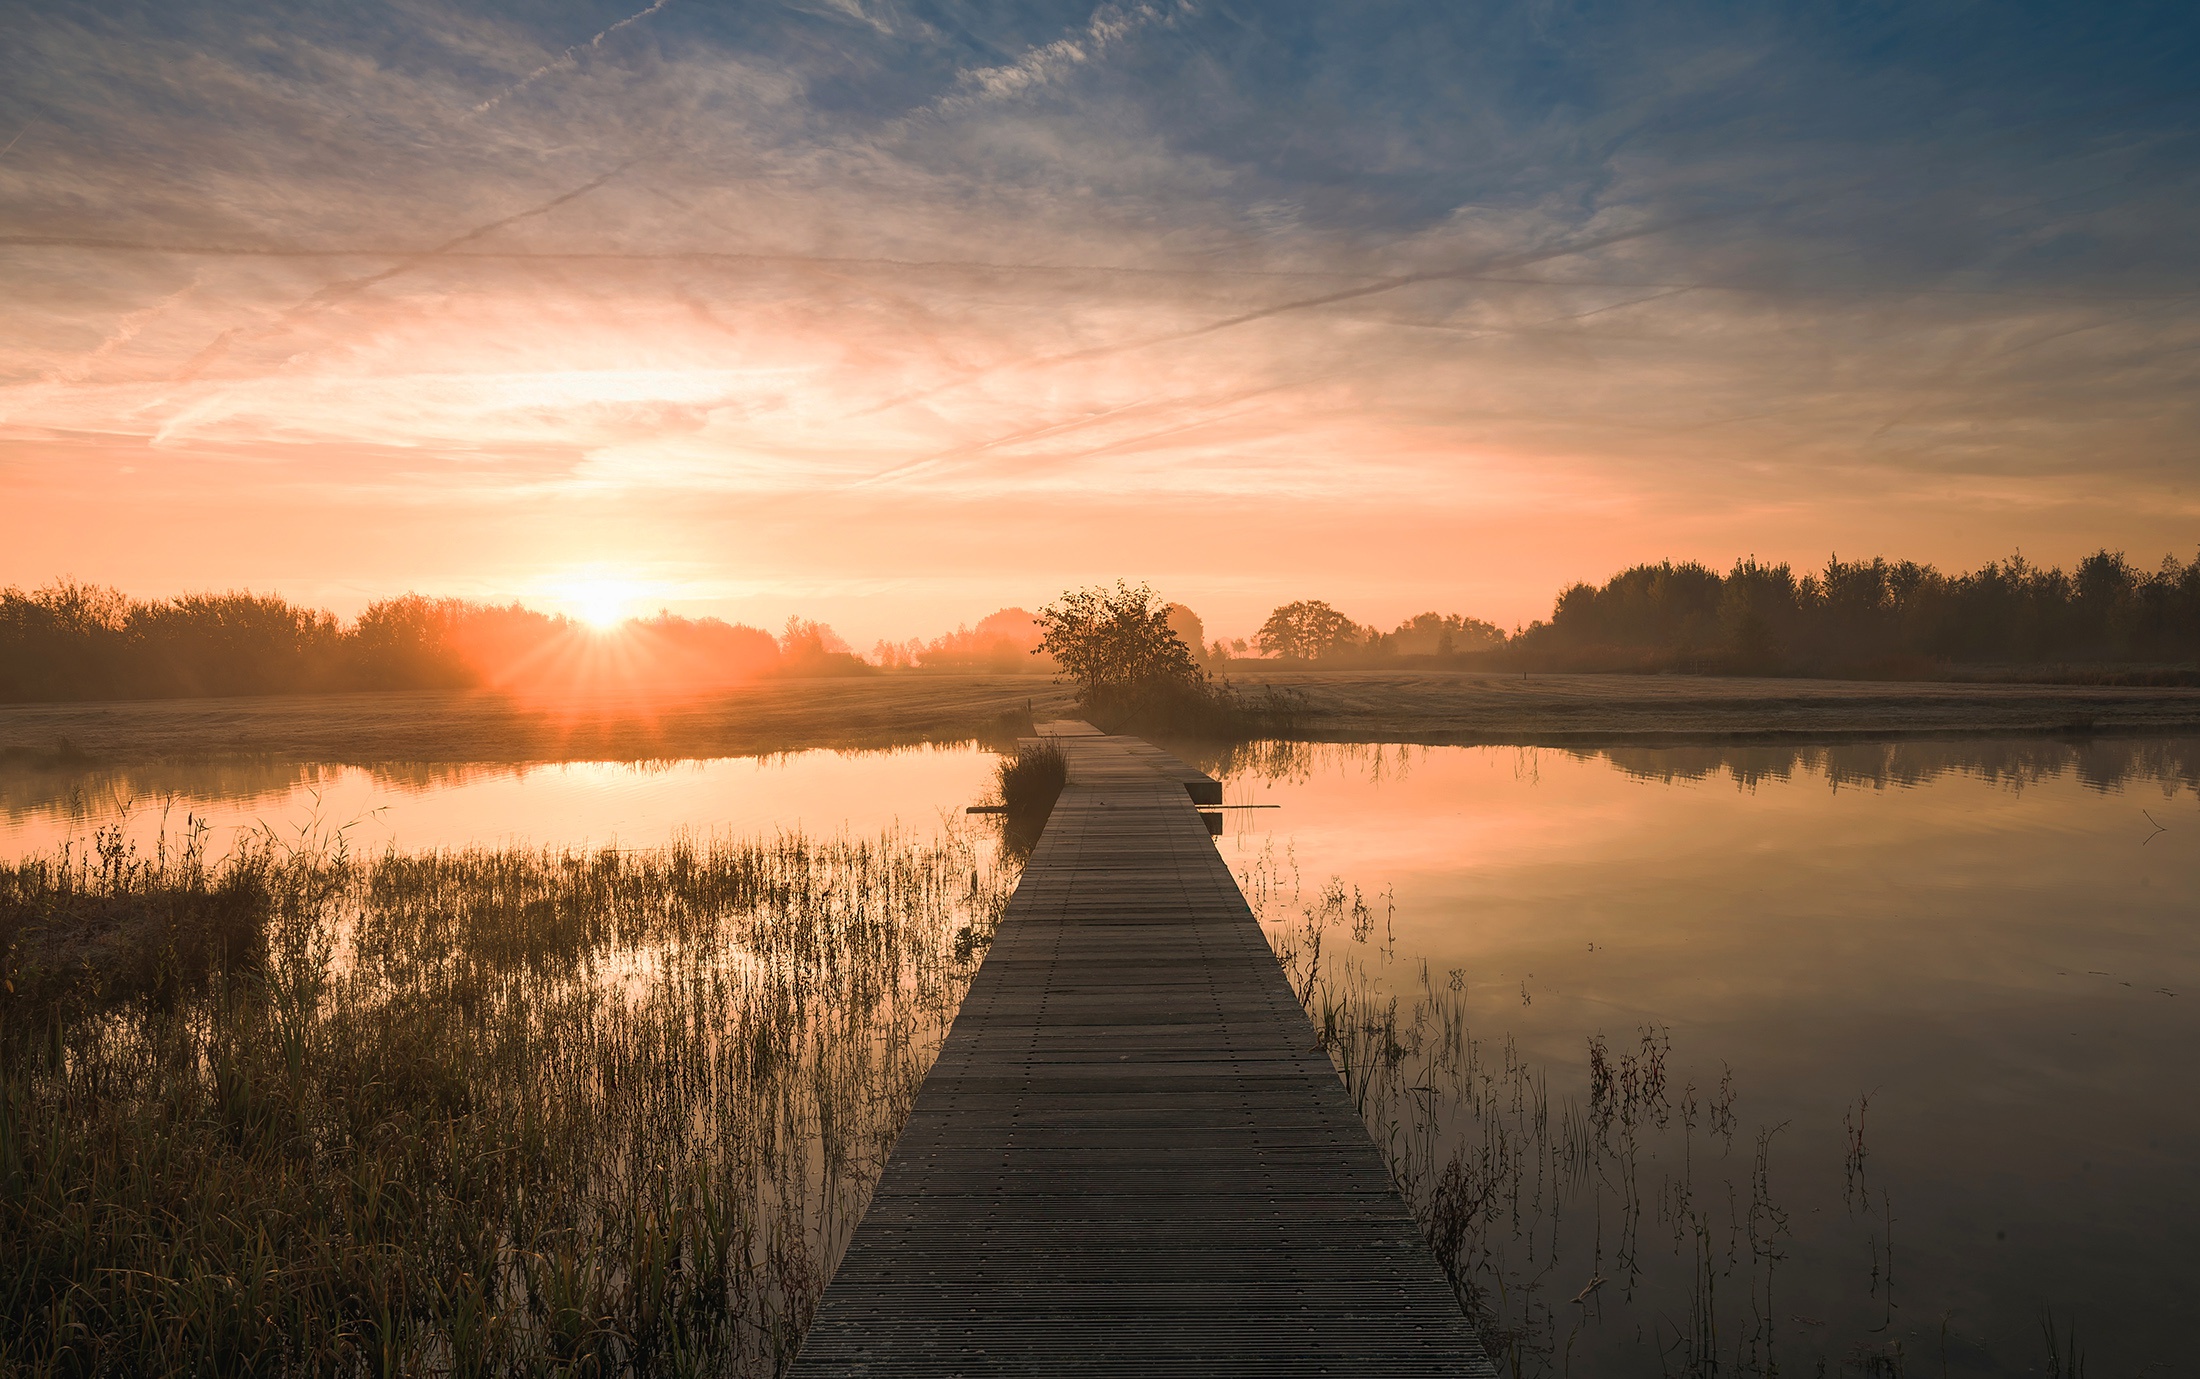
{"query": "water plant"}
pixel 1031 779
pixel 1621 1225
pixel 499 1111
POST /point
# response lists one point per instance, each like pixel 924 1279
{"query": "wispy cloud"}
pixel 1048 64
pixel 1268 270
pixel 566 60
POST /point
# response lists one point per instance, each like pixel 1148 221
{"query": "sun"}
pixel 601 601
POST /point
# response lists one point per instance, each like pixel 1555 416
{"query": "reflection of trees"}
pixel 2100 764
pixel 103 792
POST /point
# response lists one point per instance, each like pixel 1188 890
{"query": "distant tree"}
pixel 812 648
pixel 1308 630
pixel 1188 629
pixel 700 651
pixel 411 642
pixel 1002 643
pixel 235 643
pixel 1118 646
pixel 803 639
pixel 1440 634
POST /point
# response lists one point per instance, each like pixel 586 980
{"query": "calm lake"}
pixel 1871 1057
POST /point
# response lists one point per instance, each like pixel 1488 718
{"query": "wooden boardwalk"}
pixel 1131 1157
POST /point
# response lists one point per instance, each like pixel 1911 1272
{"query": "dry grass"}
pixel 483 726
pixel 890 710
pixel 465 1113
pixel 1440 707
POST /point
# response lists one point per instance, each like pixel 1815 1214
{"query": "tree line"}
pixel 1311 630
pixel 1853 617
pixel 1859 617
pixel 1873 617
pixel 76 641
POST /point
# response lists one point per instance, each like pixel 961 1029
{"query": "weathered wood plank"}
pixel 1132 1157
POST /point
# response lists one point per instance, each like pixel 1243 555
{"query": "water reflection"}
pixel 416 805
pixel 2172 764
pixel 1943 990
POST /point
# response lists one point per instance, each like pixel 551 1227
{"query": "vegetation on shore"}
pixel 1134 673
pixel 74 641
pixel 1030 776
pixel 1865 618
pixel 1140 660
pixel 608 1112
pixel 1624 1213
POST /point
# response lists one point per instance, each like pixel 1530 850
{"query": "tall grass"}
pixel 1030 780
pixel 598 1112
pixel 1561 1222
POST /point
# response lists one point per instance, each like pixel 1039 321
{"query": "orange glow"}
pixel 601 601
pixel 840 385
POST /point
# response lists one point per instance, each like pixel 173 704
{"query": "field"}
pixel 1437 707
pixel 1431 707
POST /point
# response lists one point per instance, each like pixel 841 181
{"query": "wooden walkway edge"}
pixel 1131 1156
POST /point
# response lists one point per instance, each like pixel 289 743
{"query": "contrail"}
pixel 125 330
pixel 911 468
pixel 348 287
pixel 19 136
pixel 564 59
pixel 104 245
pixel 100 244
pixel 1477 272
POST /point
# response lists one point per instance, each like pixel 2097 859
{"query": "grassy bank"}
pixel 1432 706
pixel 485 726
pixel 485 1112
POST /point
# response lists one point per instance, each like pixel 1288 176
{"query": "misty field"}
pixel 1407 706
pixel 293 1111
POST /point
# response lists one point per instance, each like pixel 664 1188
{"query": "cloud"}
pixel 1265 267
pixel 1048 65
pixel 565 60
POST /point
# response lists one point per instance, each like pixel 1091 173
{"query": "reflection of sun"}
pixel 600 602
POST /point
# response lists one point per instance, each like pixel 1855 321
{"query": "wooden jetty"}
pixel 1132 1157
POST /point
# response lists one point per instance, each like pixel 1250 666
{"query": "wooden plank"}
pixel 1132 1156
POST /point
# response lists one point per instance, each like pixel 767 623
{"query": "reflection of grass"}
pixel 474 1112
pixel 1631 1227
pixel 1501 1176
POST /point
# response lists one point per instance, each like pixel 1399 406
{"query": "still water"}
pixel 1958 986
pixel 565 804
pixel 1922 1018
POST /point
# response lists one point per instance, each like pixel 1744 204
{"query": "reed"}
pixel 1031 780
pixel 1682 1232
pixel 485 1112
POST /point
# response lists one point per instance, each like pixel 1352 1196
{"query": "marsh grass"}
pixel 1030 780
pixel 1205 711
pixel 1638 1208
pixel 485 1112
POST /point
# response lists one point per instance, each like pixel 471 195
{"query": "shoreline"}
pixel 1422 708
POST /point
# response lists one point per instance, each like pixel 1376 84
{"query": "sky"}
pixel 891 314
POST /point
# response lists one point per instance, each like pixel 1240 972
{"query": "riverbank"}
pixel 1428 707
pixel 1466 708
